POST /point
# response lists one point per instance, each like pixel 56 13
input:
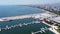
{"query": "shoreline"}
pixel 54 31
pixel 20 17
pixel 28 16
pixel 51 29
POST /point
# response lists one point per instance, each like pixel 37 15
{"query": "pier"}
pixel 43 30
pixel 20 25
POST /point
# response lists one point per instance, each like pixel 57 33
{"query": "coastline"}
pixel 27 16
pixel 54 31
pixel 51 25
pixel 20 17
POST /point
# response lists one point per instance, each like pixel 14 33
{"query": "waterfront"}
pixel 24 29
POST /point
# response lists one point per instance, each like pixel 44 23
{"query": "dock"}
pixel 20 25
pixel 43 30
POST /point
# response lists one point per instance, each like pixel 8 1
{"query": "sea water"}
pixel 24 29
pixel 7 11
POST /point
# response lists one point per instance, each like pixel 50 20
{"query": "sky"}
pixel 26 2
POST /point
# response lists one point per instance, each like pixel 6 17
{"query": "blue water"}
pixel 6 11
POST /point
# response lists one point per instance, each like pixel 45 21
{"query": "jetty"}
pixel 19 17
pixel 20 25
pixel 43 30
pixel 39 15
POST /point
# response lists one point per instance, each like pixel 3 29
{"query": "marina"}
pixel 19 25
pixel 26 24
pixel 22 25
pixel 29 16
pixel 32 16
pixel 41 31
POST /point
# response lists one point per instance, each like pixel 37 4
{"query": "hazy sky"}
pixel 19 2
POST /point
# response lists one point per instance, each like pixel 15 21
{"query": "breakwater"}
pixel 20 17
